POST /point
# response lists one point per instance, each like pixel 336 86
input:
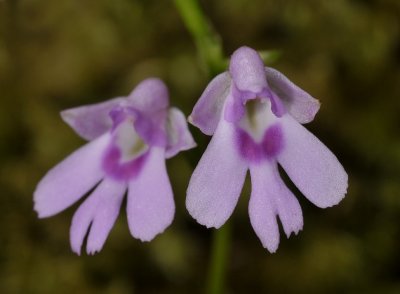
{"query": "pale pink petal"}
pixel 301 105
pixel 68 181
pixel 217 181
pixel 262 210
pixel 97 215
pixel 150 95
pixel 150 206
pixel 271 198
pixel 247 70
pixel 149 102
pixel 91 121
pixel 208 109
pixel 312 167
pixel 179 136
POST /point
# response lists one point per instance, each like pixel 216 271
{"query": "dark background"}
pixel 60 54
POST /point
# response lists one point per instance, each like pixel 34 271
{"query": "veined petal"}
pixel 68 181
pixel 217 181
pixel 247 70
pixel 150 205
pixel 97 215
pixel 301 105
pixel 179 136
pixel 151 95
pixel 270 197
pixel 312 167
pixel 91 121
pixel 207 111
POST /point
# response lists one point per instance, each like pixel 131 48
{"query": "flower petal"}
pixel 301 105
pixel 262 210
pixel 312 167
pixel 149 101
pixel 179 136
pixel 150 206
pixel 98 214
pixel 151 127
pixel 247 70
pixel 207 111
pixel 270 197
pixel 91 121
pixel 68 181
pixel 149 96
pixel 217 181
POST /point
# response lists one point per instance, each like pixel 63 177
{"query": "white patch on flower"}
pixel 258 118
pixel 172 132
pixel 129 142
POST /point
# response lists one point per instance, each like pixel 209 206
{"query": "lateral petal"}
pixel 217 181
pixel 68 181
pixel 312 167
pixel 178 134
pixel 91 121
pixel 208 110
pixel 301 105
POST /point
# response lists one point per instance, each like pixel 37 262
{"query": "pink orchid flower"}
pixel 254 114
pixel 130 138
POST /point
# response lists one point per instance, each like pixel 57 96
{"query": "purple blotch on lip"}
pixel 121 171
pixel 269 147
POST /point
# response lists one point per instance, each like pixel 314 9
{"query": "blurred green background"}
pixel 60 54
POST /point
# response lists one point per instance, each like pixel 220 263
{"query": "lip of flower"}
pixel 126 153
pixel 255 114
pixel 130 138
pixel 258 135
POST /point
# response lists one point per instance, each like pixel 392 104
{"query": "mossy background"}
pixel 60 54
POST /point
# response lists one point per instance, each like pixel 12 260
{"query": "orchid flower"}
pixel 130 138
pixel 254 114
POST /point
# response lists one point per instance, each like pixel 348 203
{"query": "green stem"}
pixel 209 48
pixel 219 258
pixel 207 41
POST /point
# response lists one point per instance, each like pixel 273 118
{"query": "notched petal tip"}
pixel 271 247
pixel 270 200
pixel 201 217
pixel 96 216
pixel 93 251
pixel 294 230
pixel 37 207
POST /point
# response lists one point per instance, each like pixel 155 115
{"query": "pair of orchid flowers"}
pixel 254 115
